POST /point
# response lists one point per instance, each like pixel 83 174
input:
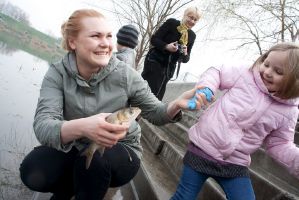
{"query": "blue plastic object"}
pixel 206 91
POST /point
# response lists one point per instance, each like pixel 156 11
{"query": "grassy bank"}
pixel 20 36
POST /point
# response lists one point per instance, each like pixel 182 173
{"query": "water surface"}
pixel 20 79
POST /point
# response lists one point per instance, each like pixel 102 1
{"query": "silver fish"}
pixel 125 115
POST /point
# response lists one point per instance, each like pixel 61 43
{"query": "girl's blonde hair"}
pixel 290 84
pixel 192 10
pixel 72 26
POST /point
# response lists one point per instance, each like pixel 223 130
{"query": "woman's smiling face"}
pixel 272 70
pixel 93 45
pixel 190 20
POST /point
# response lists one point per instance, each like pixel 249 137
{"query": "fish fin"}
pixel 89 157
pixel 101 150
pixel 88 161
pixel 84 153
pixel 88 152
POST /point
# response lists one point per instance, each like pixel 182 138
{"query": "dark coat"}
pixel 166 34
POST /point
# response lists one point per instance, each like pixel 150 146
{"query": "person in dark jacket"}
pixel 171 45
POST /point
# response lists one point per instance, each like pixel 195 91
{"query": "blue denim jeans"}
pixel 192 181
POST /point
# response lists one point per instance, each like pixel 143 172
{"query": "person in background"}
pixel 127 40
pixel 171 45
pixel 76 96
pixel 258 108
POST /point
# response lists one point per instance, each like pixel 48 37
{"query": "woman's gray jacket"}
pixel 65 95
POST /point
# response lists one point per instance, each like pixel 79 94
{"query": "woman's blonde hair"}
pixel 72 26
pixel 192 10
pixel 290 84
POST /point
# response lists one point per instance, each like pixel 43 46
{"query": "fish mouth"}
pixel 135 111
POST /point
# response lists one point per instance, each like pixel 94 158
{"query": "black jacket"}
pixel 166 34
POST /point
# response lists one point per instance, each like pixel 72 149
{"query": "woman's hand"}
pixel 102 132
pixel 182 101
pixel 172 47
pixel 200 98
pixel 94 128
pixel 185 50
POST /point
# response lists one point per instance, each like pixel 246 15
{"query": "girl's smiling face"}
pixel 272 70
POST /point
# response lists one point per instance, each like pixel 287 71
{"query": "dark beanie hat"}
pixel 128 36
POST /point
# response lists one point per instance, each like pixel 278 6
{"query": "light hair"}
pixel 290 84
pixel 192 10
pixel 72 26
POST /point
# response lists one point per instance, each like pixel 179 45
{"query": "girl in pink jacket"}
pixel 259 106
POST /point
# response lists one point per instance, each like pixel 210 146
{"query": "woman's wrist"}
pixel 173 108
pixel 72 130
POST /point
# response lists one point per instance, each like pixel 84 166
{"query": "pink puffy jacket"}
pixel 245 117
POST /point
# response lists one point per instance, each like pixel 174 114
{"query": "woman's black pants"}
pixel 46 169
pixel 157 76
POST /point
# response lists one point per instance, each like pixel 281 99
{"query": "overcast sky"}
pixel 48 15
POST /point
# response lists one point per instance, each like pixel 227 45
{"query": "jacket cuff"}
pixel 177 117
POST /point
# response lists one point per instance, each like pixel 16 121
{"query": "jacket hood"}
pixel 70 65
pixel 260 84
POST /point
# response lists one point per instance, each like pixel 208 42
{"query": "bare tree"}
pixel 285 13
pixel 14 12
pixel 148 16
pixel 256 22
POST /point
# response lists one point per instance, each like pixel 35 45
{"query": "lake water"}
pixel 20 79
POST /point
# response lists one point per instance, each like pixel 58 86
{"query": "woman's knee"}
pixel 34 179
pixel 43 167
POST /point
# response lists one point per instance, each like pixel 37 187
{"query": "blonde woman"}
pixel 171 45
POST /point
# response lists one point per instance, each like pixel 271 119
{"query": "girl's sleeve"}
pixel 49 112
pixel 222 77
pixel 281 147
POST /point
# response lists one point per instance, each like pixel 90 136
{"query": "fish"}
pixel 124 115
